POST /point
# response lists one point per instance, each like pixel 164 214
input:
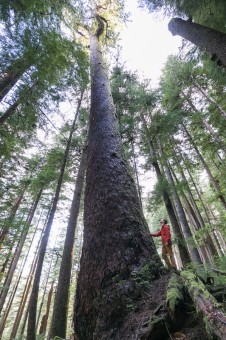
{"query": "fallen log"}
pixel 218 271
pixel 175 297
pixel 205 304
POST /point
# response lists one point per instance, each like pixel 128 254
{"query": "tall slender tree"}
pixel 35 288
pixel 60 308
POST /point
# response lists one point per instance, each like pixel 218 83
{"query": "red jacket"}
pixel 164 233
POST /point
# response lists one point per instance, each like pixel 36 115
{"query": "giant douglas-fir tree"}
pixel 117 242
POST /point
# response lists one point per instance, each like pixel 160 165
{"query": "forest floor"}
pixel 152 306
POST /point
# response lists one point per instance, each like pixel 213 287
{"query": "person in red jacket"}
pixel 164 232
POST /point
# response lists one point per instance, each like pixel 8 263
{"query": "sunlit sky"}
pixel 146 42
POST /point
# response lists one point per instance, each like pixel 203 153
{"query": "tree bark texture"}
pixel 209 39
pixel 60 308
pixel 117 242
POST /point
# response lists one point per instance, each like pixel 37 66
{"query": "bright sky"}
pixel 146 42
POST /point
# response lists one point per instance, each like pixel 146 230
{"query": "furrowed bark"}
pixel 117 242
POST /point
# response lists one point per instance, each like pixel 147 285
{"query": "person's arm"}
pixel 156 234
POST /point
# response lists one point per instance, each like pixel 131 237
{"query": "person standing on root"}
pixel 164 232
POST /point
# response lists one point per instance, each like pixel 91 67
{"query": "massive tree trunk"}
pixel 209 39
pixel 60 308
pixel 117 242
pixel 43 246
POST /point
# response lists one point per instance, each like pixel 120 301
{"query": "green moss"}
pixel 196 288
pixel 174 293
pixel 147 273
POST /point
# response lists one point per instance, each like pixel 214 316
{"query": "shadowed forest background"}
pixel 92 156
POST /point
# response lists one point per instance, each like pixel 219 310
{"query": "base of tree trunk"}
pixel 175 306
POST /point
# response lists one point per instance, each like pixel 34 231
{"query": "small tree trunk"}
pixel 199 222
pixel 9 112
pixel 182 217
pixel 18 252
pixel 46 284
pixel 198 218
pixel 209 39
pixel 193 222
pixel 35 289
pixel 205 123
pixel 9 258
pixel 10 77
pixel 212 179
pixel 184 254
pixel 210 99
pixel 45 317
pixel 60 308
pixel 136 172
pixel 5 229
pixel 27 286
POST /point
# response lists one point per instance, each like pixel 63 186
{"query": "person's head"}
pixel 163 221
